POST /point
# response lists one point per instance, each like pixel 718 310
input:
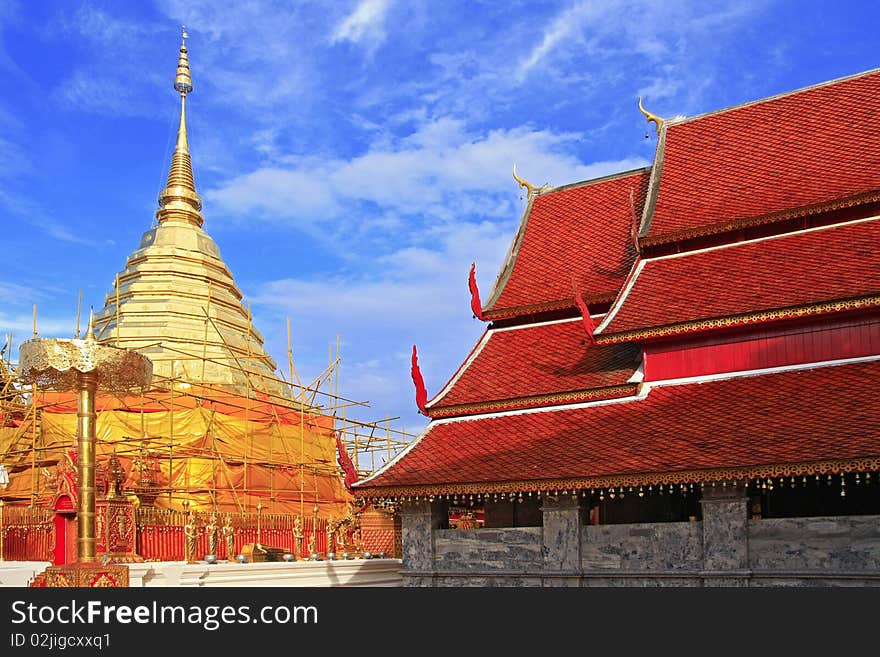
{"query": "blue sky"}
pixel 355 157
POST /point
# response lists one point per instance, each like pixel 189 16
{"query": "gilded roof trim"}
pixel 535 401
pixel 738 320
pixel 653 186
pixel 837 466
pixel 749 222
pixel 547 306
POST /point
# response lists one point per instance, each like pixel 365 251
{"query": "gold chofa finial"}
pixel 522 183
pixel 649 116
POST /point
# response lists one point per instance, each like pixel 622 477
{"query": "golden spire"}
pixel 90 331
pixel 179 199
pixel 649 116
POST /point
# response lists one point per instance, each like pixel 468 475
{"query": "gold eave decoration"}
pixel 708 475
pixel 738 320
pixel 547 306
pixel 536 401
pixel 650 117
pixel 749 222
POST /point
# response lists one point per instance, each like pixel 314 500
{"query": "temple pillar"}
pixel 419 521
pixel 725 534
pixel 563 518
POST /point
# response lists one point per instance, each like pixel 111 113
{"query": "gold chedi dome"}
pixel 176 301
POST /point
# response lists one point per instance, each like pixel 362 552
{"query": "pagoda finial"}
pixel 649 116
pixel 179 199
pixel 183 81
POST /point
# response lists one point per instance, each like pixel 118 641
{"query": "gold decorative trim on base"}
pixel 738 320
pixel 88 575
pixel 124 557
pixel 869 464
pixel 535 401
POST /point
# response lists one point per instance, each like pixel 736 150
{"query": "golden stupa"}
pixel 176 301
pixel 219 429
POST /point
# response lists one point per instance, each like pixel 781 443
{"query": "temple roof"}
pixel 792 422
pixel 534 365
pixel 578 233
pixel 795 154
pixel 813 271
pixel 176 301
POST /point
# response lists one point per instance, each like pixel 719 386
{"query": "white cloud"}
pixel 673 43
pixel 365 23
pixel 566 25
pixel 440 170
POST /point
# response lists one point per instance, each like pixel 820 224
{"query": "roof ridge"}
pixel 680 120
pixel 593 181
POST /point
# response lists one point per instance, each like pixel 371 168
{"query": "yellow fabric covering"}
pixel 214 458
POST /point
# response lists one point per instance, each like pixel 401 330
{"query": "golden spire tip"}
pixel 183 81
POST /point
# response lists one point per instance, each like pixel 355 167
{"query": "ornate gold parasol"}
pixel 84 365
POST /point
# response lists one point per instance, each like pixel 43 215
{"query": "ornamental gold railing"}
pixel 26 533
pixel 161 533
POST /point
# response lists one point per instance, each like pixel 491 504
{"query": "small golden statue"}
pixel 229 538
pixel 211 532
pixel 342 534
pixel 190 536
pixel 312 545
pixel 331 535
pixel 297 535
pixel 356 536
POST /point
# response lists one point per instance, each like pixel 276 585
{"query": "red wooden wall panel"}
pixel 762 348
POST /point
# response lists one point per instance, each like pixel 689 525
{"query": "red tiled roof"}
pixel 538 360
pixel 792 417
pixel 579 231
pixel 811 148
pixel 798 269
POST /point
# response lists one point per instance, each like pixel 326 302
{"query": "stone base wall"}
pixel 475 550
pixel 657 546
pixel 841 543
pixel 826 551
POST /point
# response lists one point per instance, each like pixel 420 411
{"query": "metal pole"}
pixel 87 385
pixel 2 531
pixel 117 310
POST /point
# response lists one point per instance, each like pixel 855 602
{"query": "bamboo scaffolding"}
pixel 25 439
